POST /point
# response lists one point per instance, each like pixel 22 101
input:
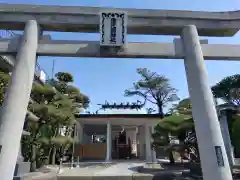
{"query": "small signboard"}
pixel 113 28
pixel 219 155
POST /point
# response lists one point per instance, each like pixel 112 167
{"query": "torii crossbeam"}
pixel 72 48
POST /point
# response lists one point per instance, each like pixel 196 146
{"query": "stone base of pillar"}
pixel 108 160
pixel 20 159
pixel 22 168
pixel 154 159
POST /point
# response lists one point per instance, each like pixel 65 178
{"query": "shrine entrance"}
pixel 116 136
pixel 113 28
pixel 122 147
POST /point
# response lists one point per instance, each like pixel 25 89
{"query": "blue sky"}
pixel 106 79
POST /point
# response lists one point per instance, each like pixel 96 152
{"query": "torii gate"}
pixel 187 24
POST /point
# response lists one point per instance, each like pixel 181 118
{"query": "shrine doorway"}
pixel 122 146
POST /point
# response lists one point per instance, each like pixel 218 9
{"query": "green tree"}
pixel 228 89
pixel 55 103
pixel 64 77
pixel 54 111
pixel 184 107
pixel 179 125
pixel 154 88
pixel 61 83
pixel 4 79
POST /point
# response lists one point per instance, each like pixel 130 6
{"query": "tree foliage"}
pixel 174 125
pixel 62 85
pixel 178 125
pixel 184 107
pixel 153 88
pixel 228 89
pixel 4 79
pixel 180 122
pixel 64 77
pixel 55 103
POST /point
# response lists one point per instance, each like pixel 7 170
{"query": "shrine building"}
pixel 115 132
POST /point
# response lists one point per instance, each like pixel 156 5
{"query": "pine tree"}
pixel 55 103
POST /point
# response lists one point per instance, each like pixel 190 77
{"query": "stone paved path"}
pixel 119 171
pixel 124 169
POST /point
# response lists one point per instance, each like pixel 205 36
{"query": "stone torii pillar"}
pixel 214 161
pixel 16 100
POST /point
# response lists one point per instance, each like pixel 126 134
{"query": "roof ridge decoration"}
pixel 134 105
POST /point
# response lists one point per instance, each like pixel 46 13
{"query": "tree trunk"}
pixel 53 148
pixel 160 110
pixel 34 149
pixel 171 158
pixel 170 154
pixel 54 155
pixel 67 131
pixel 49 155
pixel 33 159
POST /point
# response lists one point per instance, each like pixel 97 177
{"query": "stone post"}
pixel 20 157
pixel 109 142
pixel 226 136
pixel 141 136
pixel 16 100
pixel 148 152
pixel 213 155
pixel 154 158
